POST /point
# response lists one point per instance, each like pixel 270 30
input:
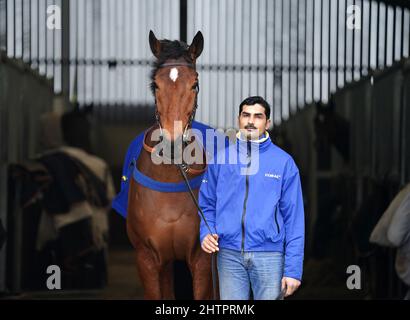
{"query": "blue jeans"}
pixel 238 273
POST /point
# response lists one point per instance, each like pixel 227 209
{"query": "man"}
pixel 258 216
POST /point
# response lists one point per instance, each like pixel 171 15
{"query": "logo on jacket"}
pixel 271 175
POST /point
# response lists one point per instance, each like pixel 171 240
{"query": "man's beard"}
pixel 251 135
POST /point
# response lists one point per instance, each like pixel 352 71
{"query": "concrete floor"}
pixel 123 282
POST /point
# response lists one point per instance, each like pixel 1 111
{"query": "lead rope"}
pixel 214 255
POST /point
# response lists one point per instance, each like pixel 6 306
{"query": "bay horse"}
pixel 164 226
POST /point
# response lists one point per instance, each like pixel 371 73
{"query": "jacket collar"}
pixel 262 144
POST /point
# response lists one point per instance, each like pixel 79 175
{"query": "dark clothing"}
pixel 72 182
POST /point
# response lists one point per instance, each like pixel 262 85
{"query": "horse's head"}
pixel 175 83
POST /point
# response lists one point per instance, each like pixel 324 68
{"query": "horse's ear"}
pixel 155 44
pixel 197 45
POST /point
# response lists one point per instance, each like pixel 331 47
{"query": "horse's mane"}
pixel 169 50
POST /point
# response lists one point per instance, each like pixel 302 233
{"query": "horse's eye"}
pixel 195 87
pixel 155 86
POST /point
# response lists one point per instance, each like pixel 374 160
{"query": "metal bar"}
pixel 183 20
pixel 92 25
pixel 38 35
pixel 345 46
pixel 257 43
pixel 281 62
pixel 234 61
pixel 377 35
pixel 297 56
pixel 127 54
pixel 361 38
pixel 369 38
pixel 54 51
pixel 274 57
pixel 329 48
pixel 385 33
pixel 353 45
pixel 402 34
pixel 305 57
pixel 227 73
pixel 116 51
pixel 14 28
pixel 337 44
pixel 124 41
pixel 243 20
pixel 208 16
pixel 321 51
pixel 65 49
pixel 108 44
pixel 408 44
pixel 161 15
pixel 5 39
pixel 30 24
pixel 218 53
pixel 131 3
pixel 85 18
pixel 313 52
pixel 119 53
pixel 290 56
pixel 250 48
pixel 100 36
pixel 22 28
pixel 2 20
pixel 77 54
pixel 394 35
pixel 266 48
pixel 45 37
pixel 7 26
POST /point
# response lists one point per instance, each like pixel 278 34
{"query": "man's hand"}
pixel 290 284
pixel 210 243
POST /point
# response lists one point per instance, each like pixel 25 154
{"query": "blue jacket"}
pixel 256 211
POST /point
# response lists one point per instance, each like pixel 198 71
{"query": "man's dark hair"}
pixel 250 101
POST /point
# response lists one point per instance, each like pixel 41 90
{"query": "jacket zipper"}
pixel 245 200
pixel 276 218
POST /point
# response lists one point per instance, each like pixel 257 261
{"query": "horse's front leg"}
pixel 167 281
pixel 149 272
pixel 200 266
pixel 147 266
